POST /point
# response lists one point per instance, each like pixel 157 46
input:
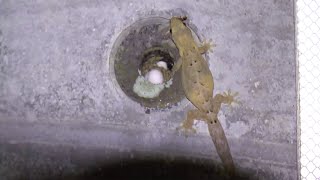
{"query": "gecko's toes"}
pixel 211 43
pixel 231 97
pixel 207 45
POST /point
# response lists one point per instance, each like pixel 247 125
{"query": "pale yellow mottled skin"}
pixel 198 86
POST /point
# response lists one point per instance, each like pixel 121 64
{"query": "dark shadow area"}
pixel 154 169
pixel 46 162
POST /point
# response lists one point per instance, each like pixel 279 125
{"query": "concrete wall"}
pixel 61 113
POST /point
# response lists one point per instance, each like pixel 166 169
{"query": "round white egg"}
pixel 162 64
pixel 155 76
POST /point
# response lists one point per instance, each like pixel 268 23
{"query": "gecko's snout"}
pixel 183 18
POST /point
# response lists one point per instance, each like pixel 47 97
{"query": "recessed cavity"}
pixel 142 47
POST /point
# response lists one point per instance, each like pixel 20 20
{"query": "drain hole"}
pixel 140 48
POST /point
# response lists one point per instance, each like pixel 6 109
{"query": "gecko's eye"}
pixel 170 30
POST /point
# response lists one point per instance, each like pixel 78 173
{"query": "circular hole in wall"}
pixel 135 48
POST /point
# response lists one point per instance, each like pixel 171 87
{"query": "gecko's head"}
pixel 177 25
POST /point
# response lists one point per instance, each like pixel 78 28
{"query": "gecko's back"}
pixel 197 82
pixel 197 79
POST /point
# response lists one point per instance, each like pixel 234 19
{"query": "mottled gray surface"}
pixel 56 91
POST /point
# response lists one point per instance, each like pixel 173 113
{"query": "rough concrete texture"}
pixel 61 112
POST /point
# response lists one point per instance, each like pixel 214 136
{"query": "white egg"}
pixel 154 76
pixel 162 64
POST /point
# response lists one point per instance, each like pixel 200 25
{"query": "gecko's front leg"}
pixel 206 46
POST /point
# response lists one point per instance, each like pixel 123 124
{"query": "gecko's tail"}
pixel 220 141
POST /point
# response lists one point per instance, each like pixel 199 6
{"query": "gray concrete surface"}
pixel 61 113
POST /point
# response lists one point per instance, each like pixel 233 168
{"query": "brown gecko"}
pixel 198 86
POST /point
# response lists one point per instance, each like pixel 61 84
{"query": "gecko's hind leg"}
pixel 187 124
pixel 230 98
pixel 224 98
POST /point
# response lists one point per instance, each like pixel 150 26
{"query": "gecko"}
pixel 198 85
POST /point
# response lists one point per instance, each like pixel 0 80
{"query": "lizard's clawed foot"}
pixel 231 97
pixel 207 46
pixel 186 131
